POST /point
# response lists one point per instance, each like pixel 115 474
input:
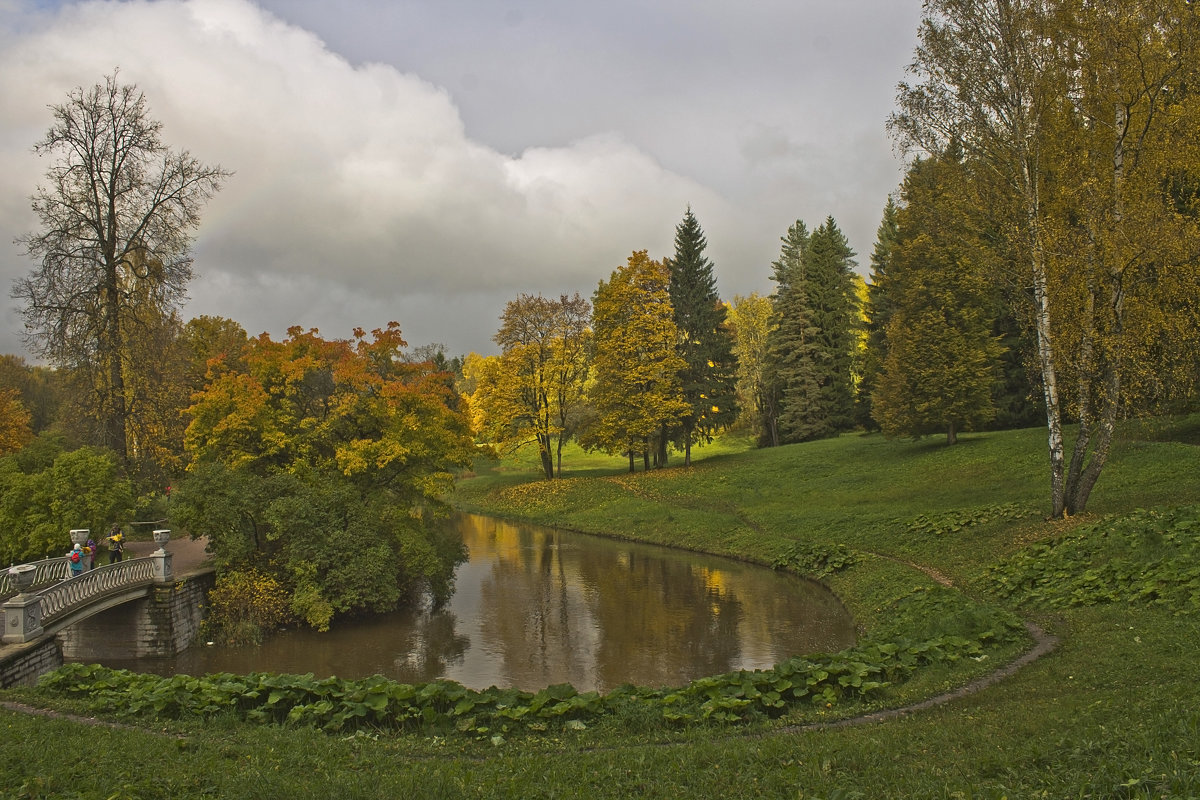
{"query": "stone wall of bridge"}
pixel 163 623
pixel 22 664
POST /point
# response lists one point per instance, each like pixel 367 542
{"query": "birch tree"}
pixel 1075 110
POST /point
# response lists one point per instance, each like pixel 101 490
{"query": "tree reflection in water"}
pixel 534 606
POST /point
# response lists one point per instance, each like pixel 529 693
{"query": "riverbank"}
pixel 1112 712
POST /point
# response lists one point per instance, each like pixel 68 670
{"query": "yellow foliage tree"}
pixel 637 387
pixel 15 422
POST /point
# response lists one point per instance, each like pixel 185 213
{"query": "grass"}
pixel 1113 712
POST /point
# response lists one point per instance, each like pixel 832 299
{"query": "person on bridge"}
pixel 116 544
pixel 75 560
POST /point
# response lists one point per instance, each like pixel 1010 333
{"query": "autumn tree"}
pixel 15 422
pixel 213 345
pixel 533 391
pixel 1081 115
pixel 114 247
pixel 636 368
pixel 750 319
pixel 705 343
pixel 39 388
pixel 324 463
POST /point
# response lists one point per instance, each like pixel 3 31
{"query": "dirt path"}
pixel 188 554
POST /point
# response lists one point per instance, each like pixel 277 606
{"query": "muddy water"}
pixel 534 606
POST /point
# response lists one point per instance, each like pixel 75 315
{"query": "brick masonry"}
pixel 163 623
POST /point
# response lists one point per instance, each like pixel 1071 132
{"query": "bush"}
pixel 245 605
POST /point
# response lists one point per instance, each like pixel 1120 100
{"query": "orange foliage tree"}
pixel 323 463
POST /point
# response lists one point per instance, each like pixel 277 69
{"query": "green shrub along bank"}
pixel 1150 557
pixel 445 708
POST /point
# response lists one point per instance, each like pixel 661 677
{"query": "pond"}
pixel 535 606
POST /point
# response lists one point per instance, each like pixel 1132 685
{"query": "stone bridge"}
pixel 149 611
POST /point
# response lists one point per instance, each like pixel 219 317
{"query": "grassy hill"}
pixel 920 540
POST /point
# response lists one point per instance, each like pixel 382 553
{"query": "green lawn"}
pixel 1113 712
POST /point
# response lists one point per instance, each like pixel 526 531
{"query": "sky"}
pixel 427 161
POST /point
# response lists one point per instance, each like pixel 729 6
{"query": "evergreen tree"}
pixel 878 312
pixel 788 336
pixel 814 336
pixel 705 343
pixel 941 361
pixel 834 302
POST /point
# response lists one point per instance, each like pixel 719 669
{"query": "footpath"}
pixel 188 554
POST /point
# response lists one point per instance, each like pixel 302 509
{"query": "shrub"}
pixel 245 605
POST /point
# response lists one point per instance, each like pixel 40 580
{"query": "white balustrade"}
pixel 51 569
pixel 62 597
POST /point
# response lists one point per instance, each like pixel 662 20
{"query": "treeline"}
pixel 658 362
pixel 1041 261
pixel 1039 264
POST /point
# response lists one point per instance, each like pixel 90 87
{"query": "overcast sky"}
pixel 426 161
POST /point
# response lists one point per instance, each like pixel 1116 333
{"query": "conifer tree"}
pixel 812 342
pixel 941 362
pixel 788 336
pixel 705 343
pixel 878 312
pixel 834 300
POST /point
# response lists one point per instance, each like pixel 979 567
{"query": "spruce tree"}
pixel 812 342
pixel 941 362
pixel 787 379
pixel 709 377
pixel 834 303
pixel 878 312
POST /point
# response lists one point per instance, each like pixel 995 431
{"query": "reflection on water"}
pixel 534 606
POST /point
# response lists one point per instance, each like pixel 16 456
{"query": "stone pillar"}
pixel 161 566
pixel 23 613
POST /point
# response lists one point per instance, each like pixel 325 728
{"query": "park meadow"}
pixel 1110 711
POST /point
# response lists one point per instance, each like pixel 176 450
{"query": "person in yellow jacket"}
pixel 116 544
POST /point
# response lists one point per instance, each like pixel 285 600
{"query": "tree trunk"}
pixel 1045 342
pixel 547 459
pixel 951 434
pixel 1081 480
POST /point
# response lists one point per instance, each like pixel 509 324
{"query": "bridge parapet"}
pixel 27 615
pixel 51 570
pixel 62 597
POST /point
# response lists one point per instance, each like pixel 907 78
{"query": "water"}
pixel 535 606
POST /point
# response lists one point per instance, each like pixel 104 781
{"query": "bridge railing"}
pixel 60 598
pixel 50 570
pixel 27 614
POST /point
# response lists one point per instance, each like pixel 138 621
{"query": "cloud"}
pixel 356 192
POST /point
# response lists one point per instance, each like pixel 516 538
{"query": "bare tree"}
pixel 117 216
